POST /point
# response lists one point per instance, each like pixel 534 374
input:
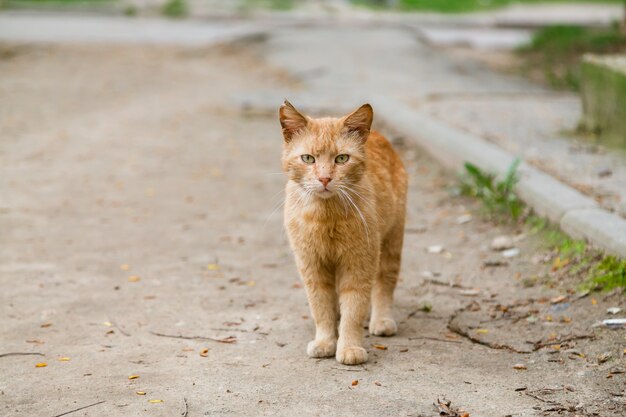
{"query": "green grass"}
pixel 462 6
pixel 590 268
pixel 175 9
pixel 572 257
pixel 497 196
pixel 269 4
pixel 554 54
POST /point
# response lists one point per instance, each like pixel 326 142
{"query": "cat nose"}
pixel 324 181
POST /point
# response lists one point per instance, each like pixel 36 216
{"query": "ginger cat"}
pixel 344 214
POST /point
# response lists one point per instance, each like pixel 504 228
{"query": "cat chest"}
pixel 322 236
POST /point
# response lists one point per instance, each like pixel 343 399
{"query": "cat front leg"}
pixel 322 295
pixel 354 300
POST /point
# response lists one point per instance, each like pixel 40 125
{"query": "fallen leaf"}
pixel 604 357
pixel 355 383
pixel 251 283
pixel 108 323
pixel 378 383
pixel 134 278
pixel 140 393
pixel 594 301
pixel 559 299
pixel 204 352
pixel 520 367
pixel 380 347
pixel 212 267
pixel 133 377
pixel 44 325
pixel 124 267
pixel 559 263
pixel 64 359
pixel 155 401
pixel 482 331
pixel 41 365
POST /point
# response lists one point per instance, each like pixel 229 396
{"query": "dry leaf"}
pixel 108 323
pixel 204 352
pixel 355 383
pixel 378 383
pixel 482 331
pixel 41 365
pixel 44 325
pixel 520 367
pixel 212 267
pixel 124 267
pixel 155 401
pixel 134 278
pixel 251 283
pixel 380 347
pixel 64 359
pixel 140 393
pixel 133 377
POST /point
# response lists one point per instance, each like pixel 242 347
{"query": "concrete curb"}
pixel 55 28
pixel 577 214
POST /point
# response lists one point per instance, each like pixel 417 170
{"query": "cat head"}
pixel 324 156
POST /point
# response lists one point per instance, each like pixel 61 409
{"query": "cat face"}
pixel 325 157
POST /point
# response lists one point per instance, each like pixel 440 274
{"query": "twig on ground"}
pixel 445 284
pixel 78 409
pixel 229 339
pixel 222 329
pixel 122 331
pixel 21 354
pixel 436 339
pixel 186 411
pixel 539 345
pixel 362 369
pixel 455 328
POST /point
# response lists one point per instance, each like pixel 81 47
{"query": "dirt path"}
pixel 138 204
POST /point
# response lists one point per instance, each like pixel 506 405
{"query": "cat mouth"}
pixel 325 193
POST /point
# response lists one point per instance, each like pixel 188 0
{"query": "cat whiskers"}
pixel 352 204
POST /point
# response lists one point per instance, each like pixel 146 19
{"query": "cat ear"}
pixel 360 121
pixel 291 120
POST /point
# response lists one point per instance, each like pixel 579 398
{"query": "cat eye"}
pixel 308 159
pixel 342 159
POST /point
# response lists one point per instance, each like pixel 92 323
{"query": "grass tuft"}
pixel 554 54
pixel 569 257
pixel 499 200
pixel 175 9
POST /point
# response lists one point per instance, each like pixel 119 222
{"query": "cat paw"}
pixel 383 327
pixel 321 348
pixel 353 355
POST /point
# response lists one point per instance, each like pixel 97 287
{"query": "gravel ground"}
pixel 140 238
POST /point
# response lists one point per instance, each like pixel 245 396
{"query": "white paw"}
pixel 321 348
pixel 383 327
pixel 352 355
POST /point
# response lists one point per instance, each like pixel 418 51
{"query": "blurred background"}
pixel 141 237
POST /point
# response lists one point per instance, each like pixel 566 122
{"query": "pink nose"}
pixel 325 181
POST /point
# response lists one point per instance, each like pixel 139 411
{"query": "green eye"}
pixel 308 159
pixel 342 159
